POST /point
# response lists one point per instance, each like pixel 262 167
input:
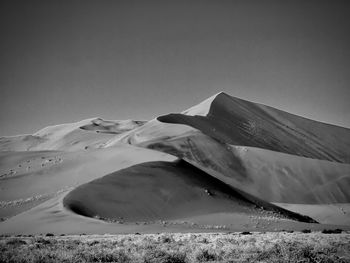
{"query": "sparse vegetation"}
pixel 15 242
pixel 306 231
pixel 161 256
pixel 179 248
pixel 205 256
pixel 332 231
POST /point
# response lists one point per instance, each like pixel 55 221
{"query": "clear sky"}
pixel 63 61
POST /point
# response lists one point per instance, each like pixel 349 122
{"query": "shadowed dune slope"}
pixel 272 176
pixel 163 190
pixel 239 122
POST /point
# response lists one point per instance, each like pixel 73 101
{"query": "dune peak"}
pixel 202 109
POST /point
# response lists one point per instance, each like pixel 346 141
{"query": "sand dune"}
pixel 157 131
pixel 163 191
pixel 272 176
pixel 238 122
pixel 113 127
pixel 224 159
pixel 275 169
pixel 29 187
pixel 153 130
pixel 90 133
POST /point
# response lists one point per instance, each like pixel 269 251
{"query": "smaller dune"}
pixel 163 191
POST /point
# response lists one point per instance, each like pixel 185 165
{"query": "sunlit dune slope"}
pixel 155 130
pixel 239 122
pixel 90 133
pixel 162 191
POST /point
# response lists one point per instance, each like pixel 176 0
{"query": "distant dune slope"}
pixel 153 130
pixel 157 131
pixel 113 127
pixel 90 133
pixel 160 191
pixel 239 122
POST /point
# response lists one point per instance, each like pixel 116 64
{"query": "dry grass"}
pixel 179 248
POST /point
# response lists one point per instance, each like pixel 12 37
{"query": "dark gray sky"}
pixel 63 61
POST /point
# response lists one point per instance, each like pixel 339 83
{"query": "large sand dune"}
pixel 274 155
pixel 239 122
pixel 223 160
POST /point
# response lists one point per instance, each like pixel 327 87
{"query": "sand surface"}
pixel 75 168
pixel 337 213
pixel 90 133
pixel 52 217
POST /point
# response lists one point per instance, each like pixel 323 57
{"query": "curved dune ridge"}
pixel 161 191
pixel 235 121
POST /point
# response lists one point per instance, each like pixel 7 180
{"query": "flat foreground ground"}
pixel 177 248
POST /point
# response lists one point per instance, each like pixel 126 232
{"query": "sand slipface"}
pixel 224 160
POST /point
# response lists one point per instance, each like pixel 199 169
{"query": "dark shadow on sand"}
pixel 163 190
